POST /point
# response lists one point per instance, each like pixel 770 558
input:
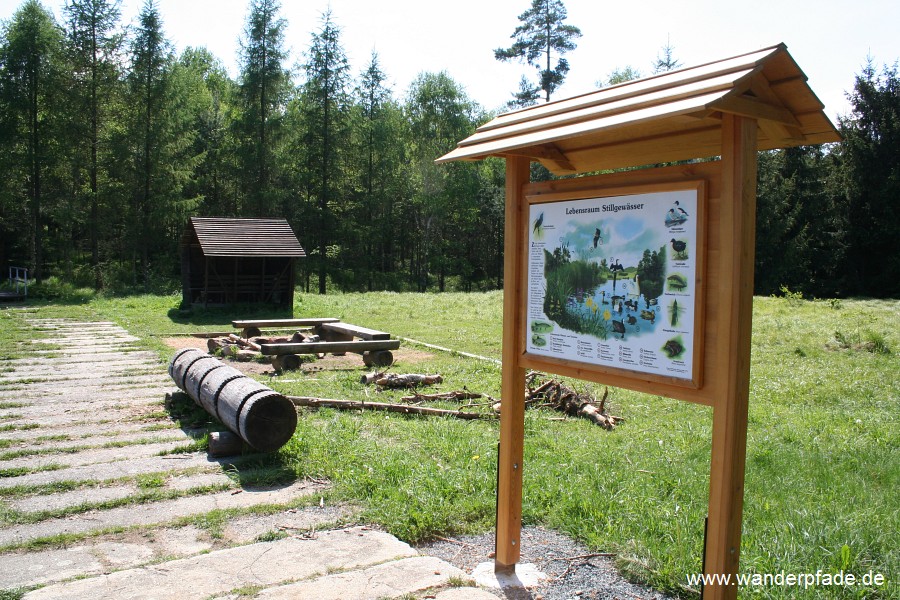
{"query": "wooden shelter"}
pixel 726 111
pixel 224 261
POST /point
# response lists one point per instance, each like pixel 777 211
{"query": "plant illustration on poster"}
pixel 612 281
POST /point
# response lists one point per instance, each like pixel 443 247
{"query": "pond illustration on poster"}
pixel 612 281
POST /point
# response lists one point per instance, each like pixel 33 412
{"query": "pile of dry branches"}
pixel 538 394
pixel 559 396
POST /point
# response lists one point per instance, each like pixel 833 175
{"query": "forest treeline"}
pixel 110 141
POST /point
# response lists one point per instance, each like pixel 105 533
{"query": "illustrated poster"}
pixel 611 281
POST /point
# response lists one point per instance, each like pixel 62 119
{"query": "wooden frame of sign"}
pixel 727 197
pixel 730 109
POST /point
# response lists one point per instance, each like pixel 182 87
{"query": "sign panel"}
pixel 612 281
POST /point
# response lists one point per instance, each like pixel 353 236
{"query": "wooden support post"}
pixel 205 282
pixel 512 403
pixel 735 301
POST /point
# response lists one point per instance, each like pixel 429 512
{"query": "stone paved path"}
pixel 98 498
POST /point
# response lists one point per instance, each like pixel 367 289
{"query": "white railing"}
pixel 18 279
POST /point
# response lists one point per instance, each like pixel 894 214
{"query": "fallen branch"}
pixel 458 395
pixel 384 406
pixel 394 380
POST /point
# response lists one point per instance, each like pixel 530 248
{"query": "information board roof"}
pixel 671 116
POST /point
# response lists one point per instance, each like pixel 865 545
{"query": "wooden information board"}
pixel 612 280
pixel 570 256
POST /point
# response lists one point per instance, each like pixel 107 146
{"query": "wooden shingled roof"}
pixel 246 237
pixel 672 116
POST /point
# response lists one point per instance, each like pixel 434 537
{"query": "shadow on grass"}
pixel 217 315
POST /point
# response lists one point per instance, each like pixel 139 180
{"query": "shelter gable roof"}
pixel 220 236
pixel 676 114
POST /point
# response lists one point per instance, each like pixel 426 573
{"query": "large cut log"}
pixel 262 417
pixel 224 443
pixel 406 380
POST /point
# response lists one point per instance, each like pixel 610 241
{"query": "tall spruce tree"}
pixel 799 231
pixel 870 169
pixel 542 34
pixel 94 45
pixel 264 88
pixel 148 86
pixel 379 150
pixel 325 113
pixel 665 60
pixel 31 83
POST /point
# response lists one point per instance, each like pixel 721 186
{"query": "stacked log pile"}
pixel 247 349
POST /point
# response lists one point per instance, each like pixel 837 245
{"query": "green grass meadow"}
pixel 823 456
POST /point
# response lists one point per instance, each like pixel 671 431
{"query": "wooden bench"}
pixel 353 331
pixel 251 328
pixel 338 339
pixel 374 352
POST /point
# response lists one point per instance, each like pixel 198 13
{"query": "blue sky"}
pixel 829 39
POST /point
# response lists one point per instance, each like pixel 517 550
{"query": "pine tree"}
pixel 527 95
pixel 870 164
pixel 148 87
pixel 31 82
pixel 541 34
pixel 666 61
pixel 94 45
pixel 263 90
pixel 799 232
pixel 379 148
pixel 325 113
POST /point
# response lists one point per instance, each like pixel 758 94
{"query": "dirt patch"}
pixel 181 342
pixel 349 362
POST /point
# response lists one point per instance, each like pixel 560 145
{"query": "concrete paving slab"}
pixel 116 470
pixel 90 432
pixel 218 573
pixel 39 568
pixel 111 363
pixel 66 386
pixel 89 438
pixel 154 513
pixel 96 495
pixel 111 417
pixel 70 373
pixel 38 362
pixel 63 500
pixel 88 410
pixel 92 456
pixel 465 593
pixel 526 575
pixel 291 522
pixel 387 580
pixel 129 550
